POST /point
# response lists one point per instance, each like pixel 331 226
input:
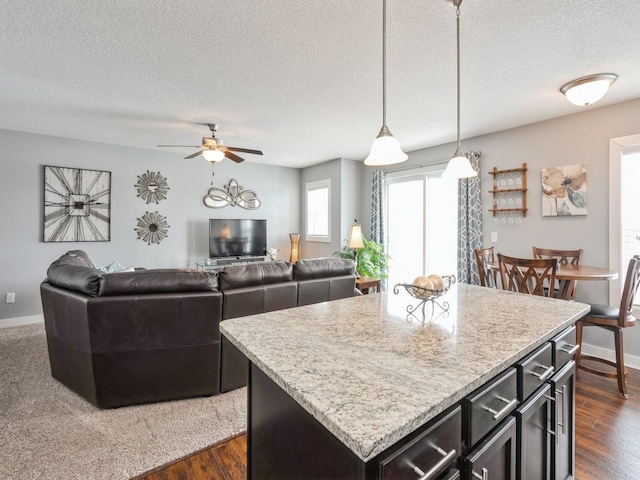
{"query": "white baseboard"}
pixel 630 361
pixel 16 322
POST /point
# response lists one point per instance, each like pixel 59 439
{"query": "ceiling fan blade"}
pixel 244 150
pixel 194 155
pixel 181 146
pixel 233 156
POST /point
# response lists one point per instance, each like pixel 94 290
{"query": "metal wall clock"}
pixel 77 205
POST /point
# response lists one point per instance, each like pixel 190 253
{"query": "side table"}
pixel 365 283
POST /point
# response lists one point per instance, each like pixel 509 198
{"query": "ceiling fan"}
pixel 214 149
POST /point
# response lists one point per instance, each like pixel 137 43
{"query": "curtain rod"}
pixel 412 167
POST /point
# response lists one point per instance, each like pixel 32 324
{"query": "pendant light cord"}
pixel 458 69
pixel 384 63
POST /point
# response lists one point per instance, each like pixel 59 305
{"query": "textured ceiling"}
pixel 302 79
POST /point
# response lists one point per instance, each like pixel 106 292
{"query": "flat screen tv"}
pixel 237 238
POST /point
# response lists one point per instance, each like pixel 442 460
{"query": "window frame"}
pixel 313 186
pixel 617 147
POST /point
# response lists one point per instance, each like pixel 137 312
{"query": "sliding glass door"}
pixel 421 225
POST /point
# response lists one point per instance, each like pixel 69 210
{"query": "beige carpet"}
pixel 48 432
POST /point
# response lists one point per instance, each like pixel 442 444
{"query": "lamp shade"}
pixel 385 150
pixel 213 155
pixel 355 237
pixel 459 167
pixel 587 90
pixel 295 247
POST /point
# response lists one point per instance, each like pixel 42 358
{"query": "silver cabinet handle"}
pixel 565 410
pixel 484 476
pixel 506 409
pixel 447 457
pixel 548 371
pixel 571 350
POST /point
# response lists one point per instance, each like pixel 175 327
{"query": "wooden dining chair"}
pixel 527 275
pixel 564 257
pixel 612 319
pixel 488 277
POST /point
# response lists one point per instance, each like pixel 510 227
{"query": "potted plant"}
pixel 371 261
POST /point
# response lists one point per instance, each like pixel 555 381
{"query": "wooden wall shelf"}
pixel 515 183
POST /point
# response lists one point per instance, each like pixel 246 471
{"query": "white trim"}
pixel 616 148
pixel 19 321
pixel 630 361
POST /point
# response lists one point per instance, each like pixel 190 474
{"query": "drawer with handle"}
pixel 484 409
pixel 564 347
pixel 533 370
pixel 428 455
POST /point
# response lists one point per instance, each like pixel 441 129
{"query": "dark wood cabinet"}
pixel 533 370
pixel 429 454
pixel 495 456
pixel 534 451
pixel 519 425
pixel 563 423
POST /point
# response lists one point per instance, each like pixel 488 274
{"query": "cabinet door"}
pixel 495 457
pixel 534 453
pixel 563 422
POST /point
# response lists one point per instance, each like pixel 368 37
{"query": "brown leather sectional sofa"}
pixel 153 335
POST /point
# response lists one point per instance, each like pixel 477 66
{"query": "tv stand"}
pixel 236 260
pixel 219 263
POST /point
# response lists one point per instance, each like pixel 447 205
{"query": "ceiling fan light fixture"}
pixel 213 156
pixel 587 90
pixel 385 150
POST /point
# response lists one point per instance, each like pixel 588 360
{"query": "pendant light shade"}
pixel 385 149
pixel 459 165
pixel 587 90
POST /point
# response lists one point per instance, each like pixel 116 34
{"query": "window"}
pixel 624 209
pixel 421 225
pixel 318 211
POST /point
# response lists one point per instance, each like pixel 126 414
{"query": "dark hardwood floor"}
pixel 607 432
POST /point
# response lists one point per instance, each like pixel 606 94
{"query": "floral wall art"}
pixel 564 190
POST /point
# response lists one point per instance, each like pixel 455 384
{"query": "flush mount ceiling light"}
pixel 587 90
pixel 459 165
pixel 385 149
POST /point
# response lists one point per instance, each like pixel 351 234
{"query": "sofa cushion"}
pixel 322 268
pixel 254 274
pixel 169 280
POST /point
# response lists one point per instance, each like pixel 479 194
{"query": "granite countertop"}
pixel 371 376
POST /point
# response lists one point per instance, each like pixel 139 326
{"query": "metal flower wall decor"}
pixel 564 190
pixel 152 187
pixel 231 195
pixel 152 228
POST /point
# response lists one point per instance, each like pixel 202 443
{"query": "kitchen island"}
pixel 344 382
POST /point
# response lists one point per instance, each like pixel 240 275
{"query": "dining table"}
pixel 566 274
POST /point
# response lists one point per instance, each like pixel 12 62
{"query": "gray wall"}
pixel 24 257
pixel 579 138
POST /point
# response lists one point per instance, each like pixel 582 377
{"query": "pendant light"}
pixel 459 165
pixel 587 90
pixel 385 149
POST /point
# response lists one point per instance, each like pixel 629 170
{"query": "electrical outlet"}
pixel 11 298
pixel 494 236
